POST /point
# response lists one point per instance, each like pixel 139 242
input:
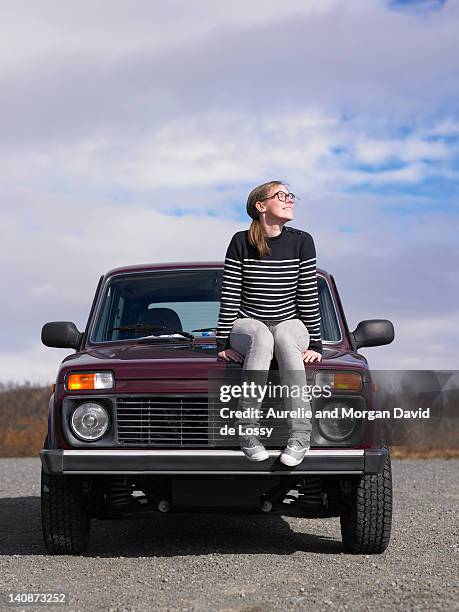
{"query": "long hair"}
pixel 256 236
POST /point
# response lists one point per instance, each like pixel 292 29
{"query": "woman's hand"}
pixel 309 356
pixel 231 355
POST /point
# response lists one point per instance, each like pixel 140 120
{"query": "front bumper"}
pixel 209 462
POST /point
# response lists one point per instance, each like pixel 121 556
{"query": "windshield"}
pixel 162 304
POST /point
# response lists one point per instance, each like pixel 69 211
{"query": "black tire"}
pixel 366 516
pixel 64 514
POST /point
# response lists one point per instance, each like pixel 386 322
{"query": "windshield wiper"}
pixel 144 327
pixel 205 329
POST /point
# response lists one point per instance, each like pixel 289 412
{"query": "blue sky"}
pixel 121 128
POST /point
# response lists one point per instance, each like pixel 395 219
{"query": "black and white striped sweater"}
pixel 279 286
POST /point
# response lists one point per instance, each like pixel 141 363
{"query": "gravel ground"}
pixel 251 563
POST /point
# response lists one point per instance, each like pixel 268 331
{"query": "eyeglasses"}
pixel 282 196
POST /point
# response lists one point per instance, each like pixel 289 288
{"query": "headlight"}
pixel 337 427
pixel 90 380
pixel 89 421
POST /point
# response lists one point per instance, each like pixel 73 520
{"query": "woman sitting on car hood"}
pixel 269 306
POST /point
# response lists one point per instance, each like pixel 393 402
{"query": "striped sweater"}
pixel 279 286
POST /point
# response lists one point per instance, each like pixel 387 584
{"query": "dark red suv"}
pixel 134 426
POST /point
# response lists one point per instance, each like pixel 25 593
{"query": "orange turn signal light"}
pixel 89 380
pixel 351 381
pixel 80 381
pixel 339 380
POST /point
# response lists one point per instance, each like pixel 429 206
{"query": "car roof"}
pixel 173 265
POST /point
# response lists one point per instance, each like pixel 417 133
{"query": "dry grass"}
pixel 25 440
pixel 23 419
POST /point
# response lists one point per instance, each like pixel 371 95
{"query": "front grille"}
pixel 163 420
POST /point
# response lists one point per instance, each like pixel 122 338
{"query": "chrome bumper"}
pixel 209 462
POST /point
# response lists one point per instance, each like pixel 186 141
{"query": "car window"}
pixel 329 326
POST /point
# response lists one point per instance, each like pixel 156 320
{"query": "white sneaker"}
pixel 253 449
pixel 293 454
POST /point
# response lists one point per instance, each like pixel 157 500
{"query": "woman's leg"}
pixel 291 338
pixel 253 339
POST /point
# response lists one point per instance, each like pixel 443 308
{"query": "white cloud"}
pixel 201 151
pixel 111 28
pixel 113 119
pixel 420 343
pixel 372 151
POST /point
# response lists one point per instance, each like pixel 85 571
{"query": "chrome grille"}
pixel 163 420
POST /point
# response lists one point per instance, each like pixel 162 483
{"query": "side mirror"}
pixel 373 332
pixel 61 334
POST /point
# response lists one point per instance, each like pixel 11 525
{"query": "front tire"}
pixel 366 515
pixel 64 514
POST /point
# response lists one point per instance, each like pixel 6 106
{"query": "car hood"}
pixel 136 361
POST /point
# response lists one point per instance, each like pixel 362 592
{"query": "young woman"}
pixel 269 306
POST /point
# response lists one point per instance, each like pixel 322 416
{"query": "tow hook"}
pixel 266 505
pixel 164 505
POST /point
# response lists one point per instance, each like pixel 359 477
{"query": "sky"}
pixel 133 133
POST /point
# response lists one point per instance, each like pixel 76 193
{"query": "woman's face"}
pixel 274 209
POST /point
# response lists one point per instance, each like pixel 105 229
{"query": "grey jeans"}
pixel 258 341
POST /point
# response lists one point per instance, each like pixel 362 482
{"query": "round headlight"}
pixel 90 421
pixel 337 427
